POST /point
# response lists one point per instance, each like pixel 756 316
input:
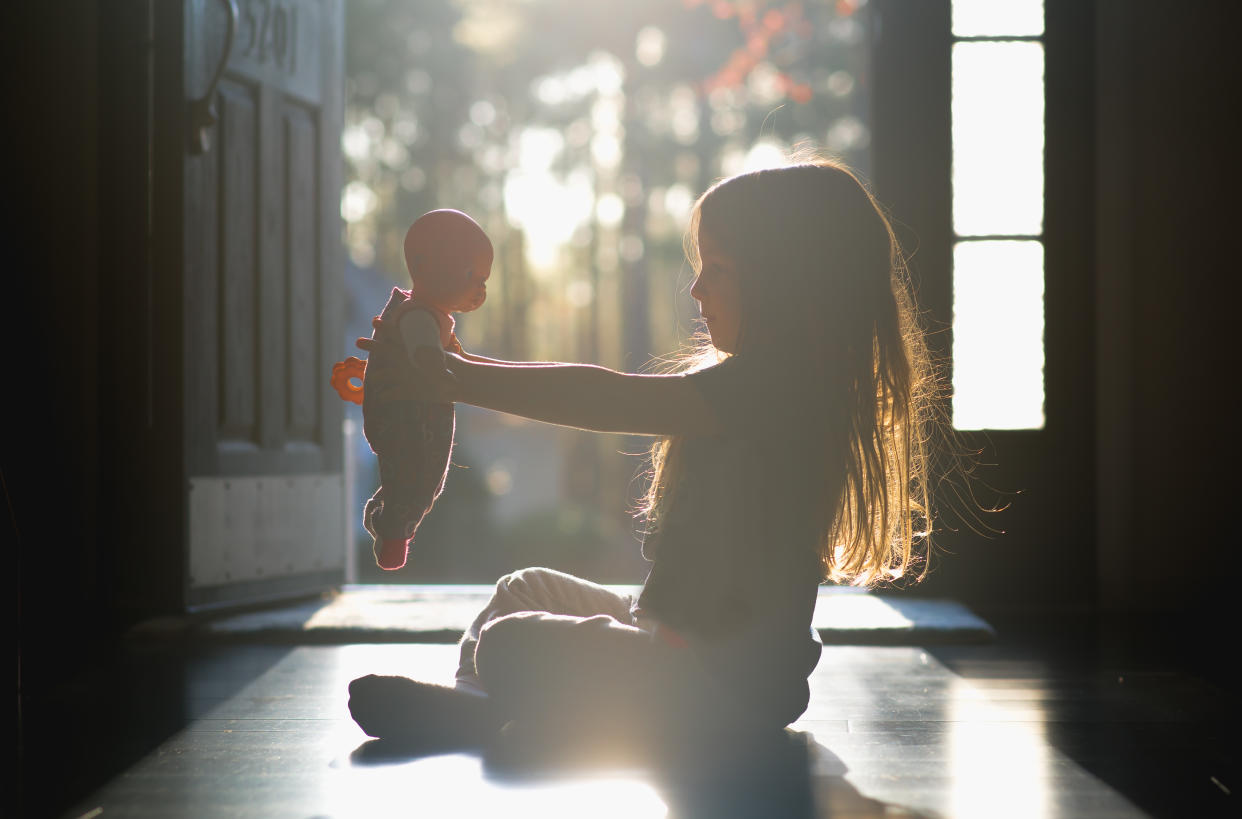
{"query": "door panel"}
pixel 262 267
pixel 235 212
pixel 305 378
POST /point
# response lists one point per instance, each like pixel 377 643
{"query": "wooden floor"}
pixel 1055 721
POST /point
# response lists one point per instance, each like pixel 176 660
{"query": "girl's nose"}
pixel 696 289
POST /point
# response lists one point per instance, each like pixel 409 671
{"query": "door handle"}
pixel 203 109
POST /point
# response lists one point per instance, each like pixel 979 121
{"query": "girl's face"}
pixel 718 292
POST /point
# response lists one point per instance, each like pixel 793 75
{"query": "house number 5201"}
pixel 269 32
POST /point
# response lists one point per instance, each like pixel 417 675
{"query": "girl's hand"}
pixel 433 380
pixel 454 346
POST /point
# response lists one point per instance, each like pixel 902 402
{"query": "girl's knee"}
pixel 504 647
pixel 522 579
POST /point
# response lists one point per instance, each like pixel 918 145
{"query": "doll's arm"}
pixel 582 396
pixel 418 329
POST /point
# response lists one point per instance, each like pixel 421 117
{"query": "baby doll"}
pixel 449 259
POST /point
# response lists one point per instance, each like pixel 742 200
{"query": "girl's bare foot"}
pixel 426 714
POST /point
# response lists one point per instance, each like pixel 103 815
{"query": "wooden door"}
pixel 261 299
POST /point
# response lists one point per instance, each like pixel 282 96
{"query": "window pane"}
pixel 998 138
pixel 998 335
pixel 998 18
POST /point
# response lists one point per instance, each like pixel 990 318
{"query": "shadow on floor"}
pixel 786 774
pixel 1146 703
pixel 78 733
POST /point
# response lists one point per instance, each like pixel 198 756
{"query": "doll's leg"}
pixel 386 408
pixel 411 440
pixel 538 590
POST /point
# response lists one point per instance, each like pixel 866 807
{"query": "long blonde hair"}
pixel 825 292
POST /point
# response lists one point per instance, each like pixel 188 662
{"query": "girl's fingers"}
pixel 432 377
pixel 429 359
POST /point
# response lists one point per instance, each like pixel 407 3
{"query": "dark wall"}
pixel 90 456
pixel 1166 270
pixel 1122 502
pixel 51 438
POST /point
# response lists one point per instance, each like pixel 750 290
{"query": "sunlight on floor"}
pixel 456 784
pixel 905 730
pixel 847 609
pixel 999 756
pixel 888 729
pixel 450 785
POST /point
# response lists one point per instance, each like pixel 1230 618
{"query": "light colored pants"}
pixel 564 651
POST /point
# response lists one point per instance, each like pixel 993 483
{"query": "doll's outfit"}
pixel 412 440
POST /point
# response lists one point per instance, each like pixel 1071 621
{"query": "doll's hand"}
pixel 370 344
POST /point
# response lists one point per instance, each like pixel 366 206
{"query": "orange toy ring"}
pixel 342 372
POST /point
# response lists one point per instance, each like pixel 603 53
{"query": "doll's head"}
pixel 449 258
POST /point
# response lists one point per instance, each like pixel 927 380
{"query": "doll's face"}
pixel 717 290
pixel 450 260
pixel 453 277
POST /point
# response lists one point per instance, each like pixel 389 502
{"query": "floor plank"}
pixel 985 731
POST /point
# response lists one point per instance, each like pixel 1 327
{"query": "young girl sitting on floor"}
pixel 791 450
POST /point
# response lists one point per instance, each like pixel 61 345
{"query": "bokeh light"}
pixel 579 136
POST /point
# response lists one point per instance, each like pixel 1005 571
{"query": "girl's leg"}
pixel 434 715
pixel 538 590
pixel 596 678
pixel 430 716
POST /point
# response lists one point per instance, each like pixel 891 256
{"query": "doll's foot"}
pixel 392 553
pixel 424 714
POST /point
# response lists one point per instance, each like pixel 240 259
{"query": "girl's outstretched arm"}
pixel 478 359
pixel 579 395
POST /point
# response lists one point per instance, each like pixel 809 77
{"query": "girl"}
pixel 790 450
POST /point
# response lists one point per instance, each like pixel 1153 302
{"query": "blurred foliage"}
pixel 440 93
pixel 460 542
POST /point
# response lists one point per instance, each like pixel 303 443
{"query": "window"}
pixel 998 214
